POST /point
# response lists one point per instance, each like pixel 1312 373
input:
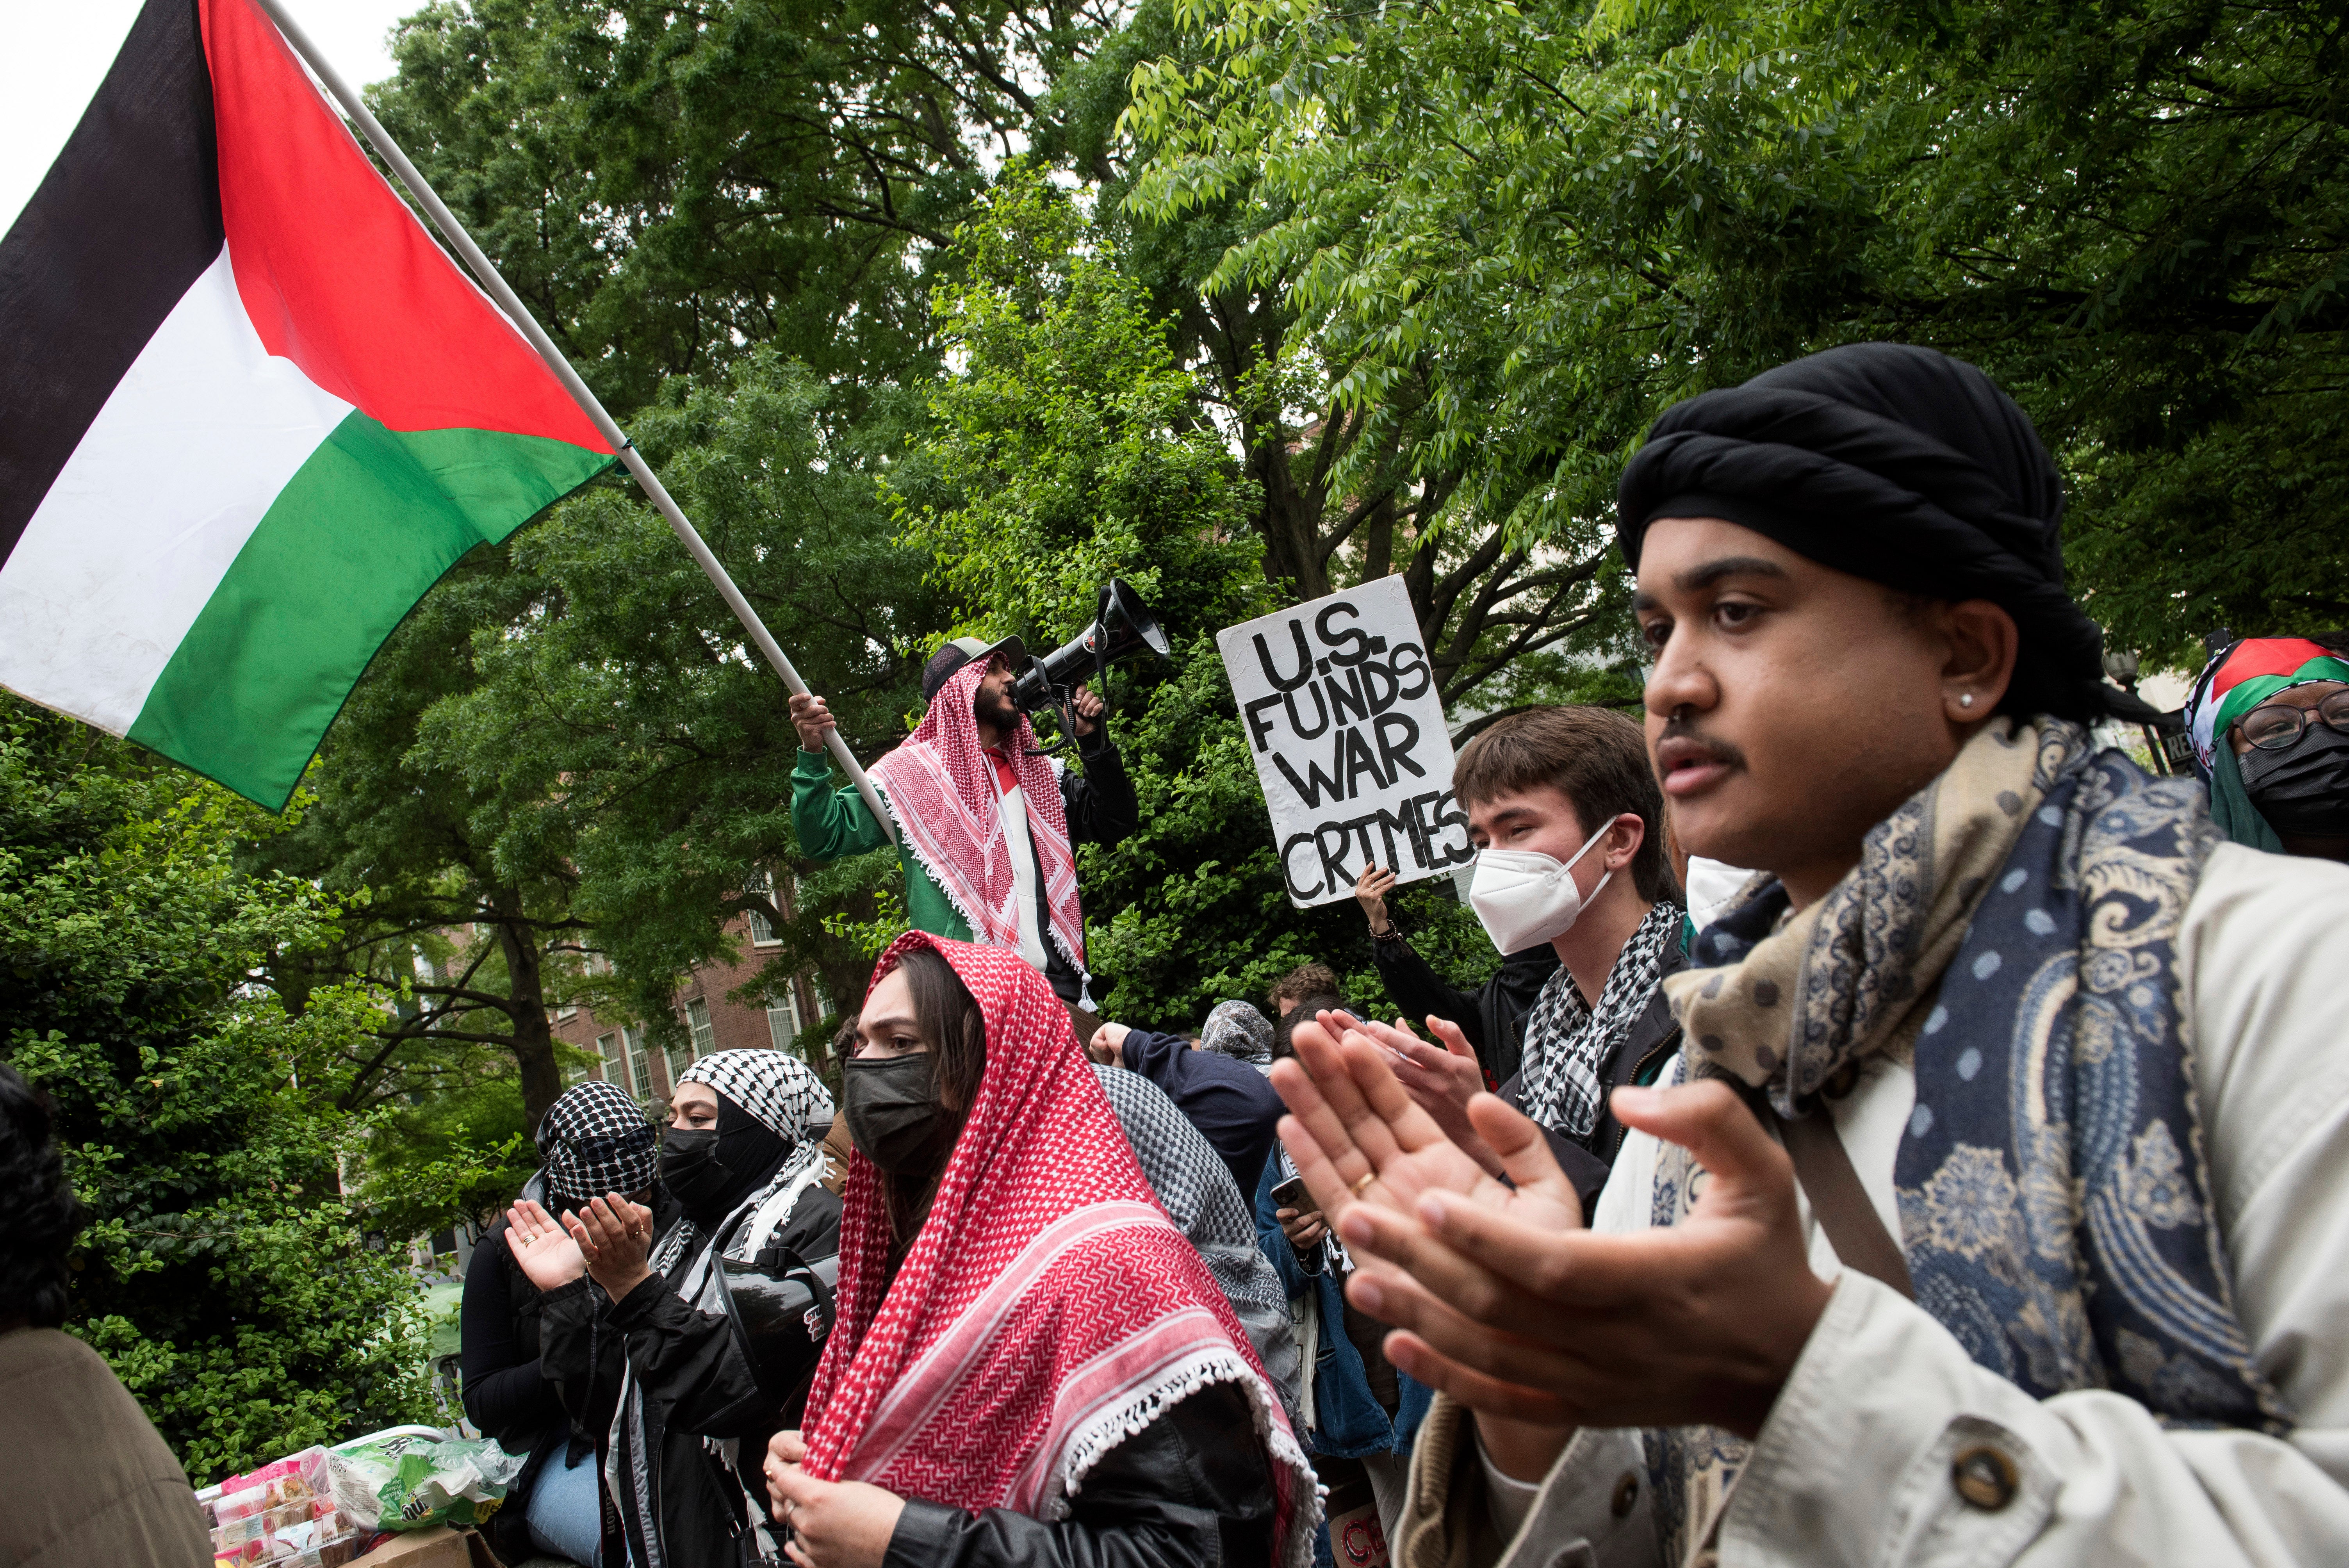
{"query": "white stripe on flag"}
pixel 149 512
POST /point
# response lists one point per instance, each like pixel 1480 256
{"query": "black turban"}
pixel 1898 465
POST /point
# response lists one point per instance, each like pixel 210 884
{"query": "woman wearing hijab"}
pixel 592 1140
pixel 1031 1366
pixel 717 1301
pixel 2270 723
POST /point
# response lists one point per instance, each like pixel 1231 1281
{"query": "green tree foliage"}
pixel 1546 222
pixel 461 918
pixel 1070 448
pixel 667 185
pixel 221 1275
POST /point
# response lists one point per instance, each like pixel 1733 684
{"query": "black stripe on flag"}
pixel 128 218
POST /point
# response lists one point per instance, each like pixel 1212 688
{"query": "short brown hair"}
pixel 1305 980
pixel 1595 757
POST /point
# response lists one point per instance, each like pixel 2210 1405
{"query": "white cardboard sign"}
pixel 1340 708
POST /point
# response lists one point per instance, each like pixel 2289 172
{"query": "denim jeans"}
pixel 566 1511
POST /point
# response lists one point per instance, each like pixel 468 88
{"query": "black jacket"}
pixel 1645 1047
pixel 1101 810
pixel 1492 1017
pixel 700 1379
pixel 1192 1490
pixel 1234 1107
pixel 511 1394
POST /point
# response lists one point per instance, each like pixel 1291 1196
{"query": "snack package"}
pixel 412 1483
pixel 295 1479
pixel 320 1543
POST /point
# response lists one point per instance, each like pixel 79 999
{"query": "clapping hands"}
pixel 1499 1295
pixel 608 1239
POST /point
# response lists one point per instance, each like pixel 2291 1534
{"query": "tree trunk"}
pixel 533 1037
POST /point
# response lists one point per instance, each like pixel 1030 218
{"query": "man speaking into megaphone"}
pixel 987 823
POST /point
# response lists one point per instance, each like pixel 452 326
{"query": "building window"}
pixel 696 1022
pixel 762 929
pixel 640 1066
pixel 614 1062
pixel 563 1015
pixel 783 1018
pixel 678 1058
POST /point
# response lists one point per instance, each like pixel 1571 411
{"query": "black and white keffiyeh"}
pixel 1566 1039
pixel 781 1091
pixel 784 1095
pixel 594 1139
pixel 1195 1188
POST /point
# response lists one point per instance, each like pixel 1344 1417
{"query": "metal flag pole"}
pixel 519 313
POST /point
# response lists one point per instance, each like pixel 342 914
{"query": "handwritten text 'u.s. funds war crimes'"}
pixel 1342 715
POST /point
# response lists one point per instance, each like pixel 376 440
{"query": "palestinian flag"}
pixel 250 412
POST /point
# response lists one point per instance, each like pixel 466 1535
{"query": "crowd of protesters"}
pixel 1897 1129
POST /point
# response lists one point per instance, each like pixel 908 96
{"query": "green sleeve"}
pixel 830 823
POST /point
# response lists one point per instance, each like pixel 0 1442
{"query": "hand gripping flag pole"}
pixel 497 287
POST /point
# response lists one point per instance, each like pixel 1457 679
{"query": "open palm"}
pixel 544 1250
pixel 1443 1080
pixel 1351 1117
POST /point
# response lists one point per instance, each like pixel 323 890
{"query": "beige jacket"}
pixel 88 1482
pixel 1854 1464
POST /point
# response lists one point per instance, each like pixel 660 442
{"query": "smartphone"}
pixel 1291 1194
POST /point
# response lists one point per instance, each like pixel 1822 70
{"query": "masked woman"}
pixel 2270 723
pixel 716 1303
pixel 594 1139
pixel 1031 1366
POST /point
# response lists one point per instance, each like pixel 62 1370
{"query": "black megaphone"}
pixel 1122 625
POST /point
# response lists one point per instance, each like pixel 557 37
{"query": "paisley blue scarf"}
pixel 2055 1192
pixel 2053 1186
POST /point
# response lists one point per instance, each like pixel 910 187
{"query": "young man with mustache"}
pixel 1992 1212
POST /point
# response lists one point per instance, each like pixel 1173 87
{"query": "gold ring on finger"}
pixel 1364 1179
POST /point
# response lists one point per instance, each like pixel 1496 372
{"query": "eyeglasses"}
pixel 2273 725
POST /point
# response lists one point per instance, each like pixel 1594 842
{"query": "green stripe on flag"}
pixel 359 535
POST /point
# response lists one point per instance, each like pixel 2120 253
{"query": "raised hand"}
pixel 811 718
pixel 614 1235
pixel 1371 890
pixel 1088 708
pixel 1370 1157
pixel 547 1254
pixel 1442 1080
pixel 1697 1323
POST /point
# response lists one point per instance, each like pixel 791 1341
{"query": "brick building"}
pixel 786 1022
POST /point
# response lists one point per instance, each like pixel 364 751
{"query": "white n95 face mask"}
pixel 1525 897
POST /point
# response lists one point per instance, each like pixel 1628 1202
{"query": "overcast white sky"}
pixel 57 52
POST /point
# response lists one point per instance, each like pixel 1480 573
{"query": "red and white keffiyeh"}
pixel 941 790
pixel 1049 1309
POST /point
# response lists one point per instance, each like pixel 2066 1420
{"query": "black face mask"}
pixel 695 1176
pixel 894 1115
pixel 2302 788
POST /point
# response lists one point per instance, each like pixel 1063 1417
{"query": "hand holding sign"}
pixel 1371 890
pixel 1341 716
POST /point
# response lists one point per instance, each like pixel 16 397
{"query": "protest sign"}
pixel 1341 712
